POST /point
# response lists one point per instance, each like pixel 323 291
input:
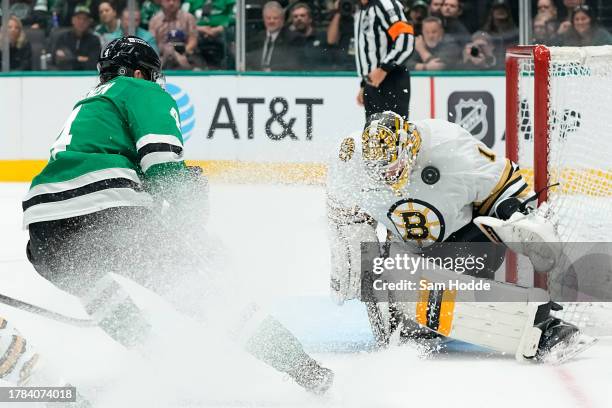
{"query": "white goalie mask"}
pixel 390 146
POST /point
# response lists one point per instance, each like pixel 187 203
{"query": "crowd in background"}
pixel 287 35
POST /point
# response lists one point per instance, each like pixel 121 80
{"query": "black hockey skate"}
pixel 313 377
pixel 560 341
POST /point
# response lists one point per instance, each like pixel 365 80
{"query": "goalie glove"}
pixel 348 228
pixel 528 234
pixel 186 204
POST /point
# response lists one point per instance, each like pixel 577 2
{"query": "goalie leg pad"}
pixel 478 317
pixel 17 357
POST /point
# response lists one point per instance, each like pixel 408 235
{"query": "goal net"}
pixel 559 131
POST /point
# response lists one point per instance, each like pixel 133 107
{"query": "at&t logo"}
pixel 186 110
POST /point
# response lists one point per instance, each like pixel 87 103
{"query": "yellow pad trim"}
pixel 447 310
pixel 422 306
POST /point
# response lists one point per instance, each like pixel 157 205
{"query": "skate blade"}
pixel 563 352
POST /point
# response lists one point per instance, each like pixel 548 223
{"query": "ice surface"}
pixel 277 234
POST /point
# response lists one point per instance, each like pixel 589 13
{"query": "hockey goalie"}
pixel 428 182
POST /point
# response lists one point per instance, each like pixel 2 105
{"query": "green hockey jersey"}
pixel 123 135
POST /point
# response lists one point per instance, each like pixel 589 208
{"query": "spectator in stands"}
pixel 308 45
pixel 138 30
pixel 500 25
pixel 451 10
pixel 416 15
pixel 568 8
pixel 570 5
pixel 435 8
pixel 148 9
pixel 63 10
pixel 174 52
pixel 110 26
pixel 475 12
pixel 340 39
pixel 20 52
pixel 171 18
pixel 549 8
pixel 584 30
pixel 544 29
pixel 301 25
pixel 433 51
pixel 268 50
pixel 20 9
pixel 213 20
pixel 479 54
pixel 39 18
pixel 78 48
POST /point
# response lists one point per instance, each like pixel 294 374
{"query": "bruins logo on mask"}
pixel 347 148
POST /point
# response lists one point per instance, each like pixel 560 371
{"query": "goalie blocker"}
pixel 524 232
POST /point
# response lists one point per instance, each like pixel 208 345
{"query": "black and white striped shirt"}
pixel 383 37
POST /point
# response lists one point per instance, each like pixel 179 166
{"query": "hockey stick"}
pixel 41 311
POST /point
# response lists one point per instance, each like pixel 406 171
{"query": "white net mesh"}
pixel 580 142
pixel 580 155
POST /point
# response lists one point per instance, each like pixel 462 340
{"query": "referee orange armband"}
pixel 399 27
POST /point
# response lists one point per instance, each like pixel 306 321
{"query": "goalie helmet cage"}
pixel 558 130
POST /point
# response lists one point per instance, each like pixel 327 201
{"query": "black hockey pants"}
pixel 76 254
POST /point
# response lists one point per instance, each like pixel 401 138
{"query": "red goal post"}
pixel 540 55
pixel 541 58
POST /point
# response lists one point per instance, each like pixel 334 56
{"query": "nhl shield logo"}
pixel 475 112
pixel 472 116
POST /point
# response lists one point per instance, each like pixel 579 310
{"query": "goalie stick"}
pixel 49 314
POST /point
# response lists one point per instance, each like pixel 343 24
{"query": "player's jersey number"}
pixel 65 136
pixel 417 221
pixel 176 117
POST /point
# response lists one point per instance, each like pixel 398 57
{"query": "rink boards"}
pixel 248 127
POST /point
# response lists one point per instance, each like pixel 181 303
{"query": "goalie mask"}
pixel 390 146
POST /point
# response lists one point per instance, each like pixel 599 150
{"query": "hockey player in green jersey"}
pixel 113 196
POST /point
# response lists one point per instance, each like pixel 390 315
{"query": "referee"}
pixel 383 41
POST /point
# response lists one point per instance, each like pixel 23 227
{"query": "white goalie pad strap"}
pixel 531 235
pixel 477 316
pixel 348 228
pixel 17 356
